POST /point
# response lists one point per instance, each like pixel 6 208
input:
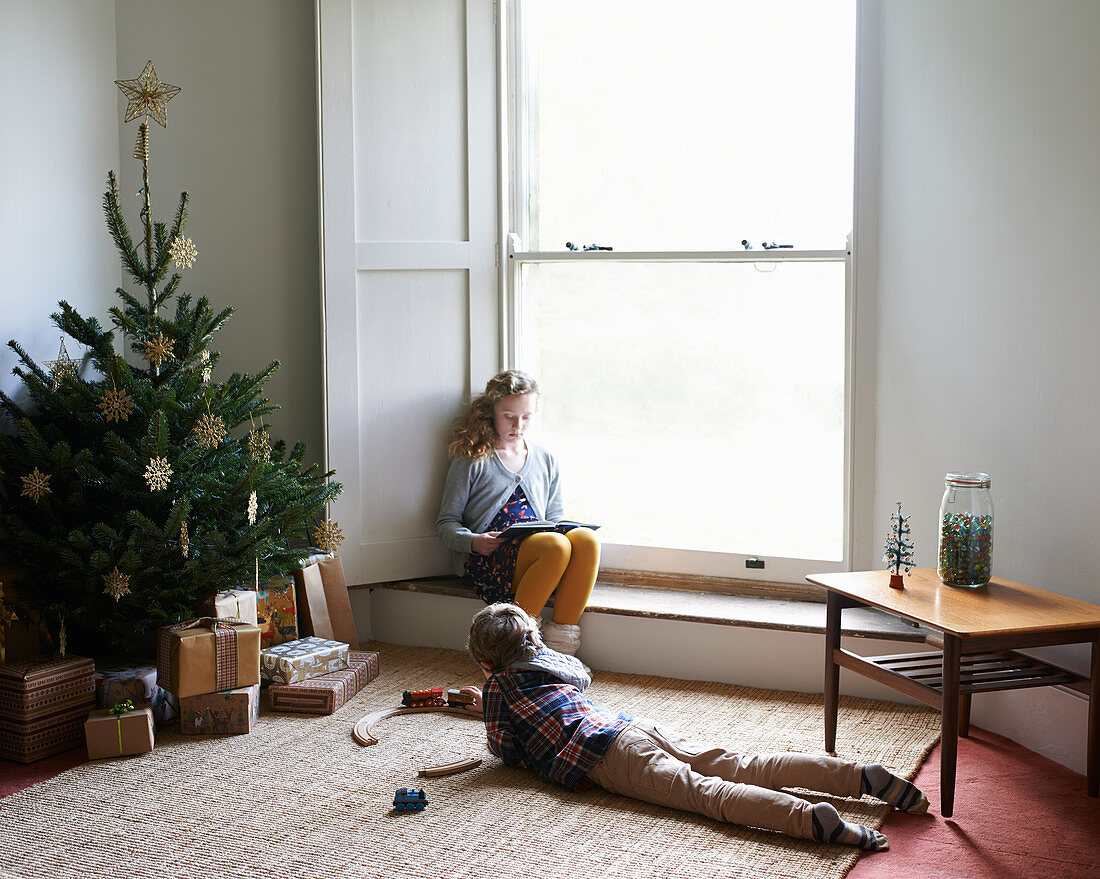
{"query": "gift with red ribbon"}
pixel 207 655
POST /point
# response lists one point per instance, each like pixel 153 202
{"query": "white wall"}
pixel 57 141
pixel 242 140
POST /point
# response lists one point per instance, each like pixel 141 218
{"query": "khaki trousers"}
pixel 655 764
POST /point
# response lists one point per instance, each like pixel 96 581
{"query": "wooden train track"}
pixel 362 734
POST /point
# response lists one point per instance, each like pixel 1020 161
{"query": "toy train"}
pixel 436 697
pixel 408 800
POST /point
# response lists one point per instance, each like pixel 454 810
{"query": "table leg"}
pixel 949 723
pixel 964 715
pixel 1093 745
pixel 832 670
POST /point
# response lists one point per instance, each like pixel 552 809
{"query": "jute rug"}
pixel 298 797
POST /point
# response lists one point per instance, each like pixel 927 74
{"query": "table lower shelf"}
pixel 918 673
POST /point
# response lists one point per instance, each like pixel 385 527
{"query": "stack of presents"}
pixel 292 638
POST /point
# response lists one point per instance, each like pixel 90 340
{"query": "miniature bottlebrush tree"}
pixel 898 548
pixel 133 489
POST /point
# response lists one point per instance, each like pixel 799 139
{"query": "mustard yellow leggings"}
pixel 550 561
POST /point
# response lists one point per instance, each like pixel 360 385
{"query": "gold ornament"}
pixel 157 474
pixel 141 146
pixel 328 536
pixel 207 369
pixel 116 405
pixel 259 445
pixel 117 584
pixel 252 508
pixel 209 431
pixel 183 253
pixel 147 96
pixel 62 638
pixel 158 350
pixel 36 485
pixel 185 542
pixel 62 368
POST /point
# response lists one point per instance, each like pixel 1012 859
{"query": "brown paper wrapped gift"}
pixel 207 656
pixel 233 604
pixel 313 618
pixel 115 735
pixel 340 616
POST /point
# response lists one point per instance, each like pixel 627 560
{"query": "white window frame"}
pixel 513 153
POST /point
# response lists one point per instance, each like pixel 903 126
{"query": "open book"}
pixel 521 529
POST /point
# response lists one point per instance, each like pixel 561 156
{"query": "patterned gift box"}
pixel 229 712
pixel 207 656
pixel 117 735
pixel 301 660
pixel 234 604
pixel 118 682
pixel 43 705
pixel 328 693
pixel 276 612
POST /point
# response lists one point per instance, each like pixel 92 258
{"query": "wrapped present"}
pixel 276 611
pixel 234 604
pixel 207 655
pixel 327 693
pixel 338 601
pixel 230 712
pixel 43 705
pixel 313 618
pixel 118 682
pixel 301 660
pixel 118 731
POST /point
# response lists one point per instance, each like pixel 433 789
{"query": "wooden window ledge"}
pixel 747 611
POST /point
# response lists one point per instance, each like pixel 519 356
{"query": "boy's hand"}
pixel 476 694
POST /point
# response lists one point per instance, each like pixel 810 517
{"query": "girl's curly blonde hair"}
pixel 473 435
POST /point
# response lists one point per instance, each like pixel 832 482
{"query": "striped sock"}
pixel 880 782
pixel 830 827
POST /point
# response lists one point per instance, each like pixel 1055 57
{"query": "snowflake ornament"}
pixel 328 536
pixel 36 485
pixel 158 474
pixel 158 349
pixel 252 508
pixel 259 445
pixel 116 404
pixel 117 584
pixel 209 431
pixel 183 252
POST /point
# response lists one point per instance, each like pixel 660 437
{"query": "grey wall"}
pixel 241 139
pixel 57 140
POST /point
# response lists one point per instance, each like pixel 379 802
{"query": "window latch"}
pixel 569 245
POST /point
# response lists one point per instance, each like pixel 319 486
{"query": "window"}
pixel 696 390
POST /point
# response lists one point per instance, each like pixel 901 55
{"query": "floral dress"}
pixel 492 574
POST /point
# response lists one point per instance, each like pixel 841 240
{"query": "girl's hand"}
pixel 487 543
pixel 476 693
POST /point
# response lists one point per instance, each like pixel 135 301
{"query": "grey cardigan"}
pixel 475 491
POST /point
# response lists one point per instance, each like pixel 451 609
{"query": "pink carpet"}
pixel 1017 816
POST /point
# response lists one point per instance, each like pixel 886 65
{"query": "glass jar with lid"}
pixel 966 530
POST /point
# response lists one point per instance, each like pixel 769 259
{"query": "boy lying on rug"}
pixel 536 716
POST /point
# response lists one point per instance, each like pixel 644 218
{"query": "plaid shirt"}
pixel 534 719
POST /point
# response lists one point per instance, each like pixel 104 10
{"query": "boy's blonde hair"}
pixel 501 634
pixel 473 433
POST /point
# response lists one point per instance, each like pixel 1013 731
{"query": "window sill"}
pixel 748 611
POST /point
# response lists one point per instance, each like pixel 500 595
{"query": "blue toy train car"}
pixel 407 800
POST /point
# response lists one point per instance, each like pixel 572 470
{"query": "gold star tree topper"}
pixel 147 96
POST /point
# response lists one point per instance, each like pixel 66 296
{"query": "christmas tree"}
pixel 898 549
pixel 135 489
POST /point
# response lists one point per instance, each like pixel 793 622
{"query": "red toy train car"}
pixel 436 697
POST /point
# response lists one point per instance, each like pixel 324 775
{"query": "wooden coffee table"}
pixel 981 629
